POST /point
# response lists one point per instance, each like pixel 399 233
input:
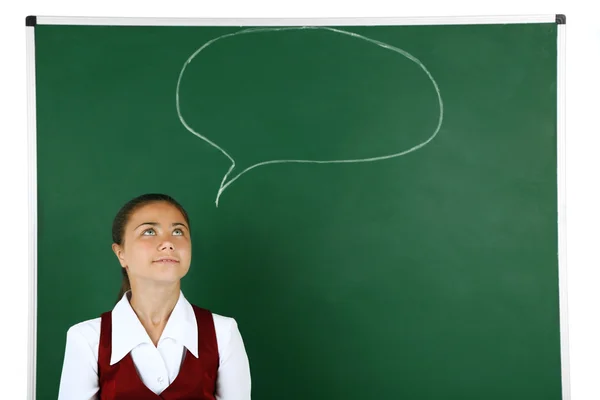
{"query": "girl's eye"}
pixel 178 232
pixel 149 232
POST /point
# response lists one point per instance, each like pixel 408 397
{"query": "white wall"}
pixel 583 146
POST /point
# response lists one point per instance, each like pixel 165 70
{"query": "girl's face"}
pixel 156 247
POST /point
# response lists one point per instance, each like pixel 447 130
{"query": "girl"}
pixel 154 344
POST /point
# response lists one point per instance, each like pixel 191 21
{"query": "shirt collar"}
pixel 128 332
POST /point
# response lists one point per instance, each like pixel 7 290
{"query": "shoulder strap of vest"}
pixel 105 345
pixel 207 336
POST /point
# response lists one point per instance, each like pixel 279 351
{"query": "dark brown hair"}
pixel 122 218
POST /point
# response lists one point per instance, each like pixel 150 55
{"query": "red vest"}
pixel 196 379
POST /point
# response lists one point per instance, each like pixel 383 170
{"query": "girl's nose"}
pixel 166 245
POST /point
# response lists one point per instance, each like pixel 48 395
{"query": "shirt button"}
pixel 160 380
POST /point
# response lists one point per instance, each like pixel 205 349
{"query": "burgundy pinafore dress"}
pixel 196 379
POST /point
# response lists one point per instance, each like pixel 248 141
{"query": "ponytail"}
pixel 125 285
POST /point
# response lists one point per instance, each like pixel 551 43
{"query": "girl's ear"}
pixel 120 253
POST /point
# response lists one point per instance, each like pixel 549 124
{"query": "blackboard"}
pixel 376 204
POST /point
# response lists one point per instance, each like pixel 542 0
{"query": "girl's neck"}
pixel 153 304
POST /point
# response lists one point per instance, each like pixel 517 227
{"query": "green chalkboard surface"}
pixel 375 205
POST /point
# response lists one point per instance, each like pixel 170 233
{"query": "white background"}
pixel 583 144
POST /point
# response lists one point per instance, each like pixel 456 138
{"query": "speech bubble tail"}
pixel 224 183
pixel 218 197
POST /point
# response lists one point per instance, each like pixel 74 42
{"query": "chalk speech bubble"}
pixel 227 180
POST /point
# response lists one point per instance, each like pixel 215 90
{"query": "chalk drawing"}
pixel 227 181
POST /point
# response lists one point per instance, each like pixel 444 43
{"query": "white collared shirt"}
pixel 157 366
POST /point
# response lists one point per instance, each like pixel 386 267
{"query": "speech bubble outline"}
pixel 225 183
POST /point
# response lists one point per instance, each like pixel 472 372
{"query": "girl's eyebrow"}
pixel 147 223
pixel 157 224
